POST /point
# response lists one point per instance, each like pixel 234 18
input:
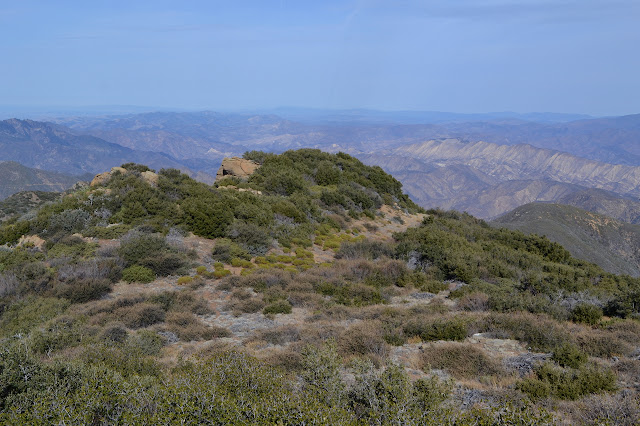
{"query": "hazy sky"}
pixel 578 56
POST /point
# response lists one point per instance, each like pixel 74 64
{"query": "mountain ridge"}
pixel 15 177
pixel 607 242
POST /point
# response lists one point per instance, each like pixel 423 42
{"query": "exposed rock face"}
pixel 100 179
pixel 32 240
pixel 150 177
pixel 488 180
pixel 103 178
pixel 236 167
pixel 527 162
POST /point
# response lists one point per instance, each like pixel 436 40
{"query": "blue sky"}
pixel 577 56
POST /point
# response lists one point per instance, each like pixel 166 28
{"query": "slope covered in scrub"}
pixel 315 291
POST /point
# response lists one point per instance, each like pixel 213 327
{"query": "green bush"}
pixel 586 313
pixel 568 383
pixel 569 355
pixel 30 312
pixel 225 250
pixel 253 238
pixel 436 329
pixel 140 247
pixel 138 274
pixel 277 307
pixel 184 280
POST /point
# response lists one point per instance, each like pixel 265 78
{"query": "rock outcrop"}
pixel 149 177
pixel 236 167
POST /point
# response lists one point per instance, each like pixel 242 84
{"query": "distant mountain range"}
pixel 610 243
pixel 613 139
pixel 486 164
pixel 15 177
pixel 488 180
pixel 48 146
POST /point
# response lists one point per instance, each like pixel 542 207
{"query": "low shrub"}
pixel 475 301
pixel 568 384
pixel 221 273
pixel 586 313
pixel 22 316
pixel 363 339
pixel 279 336
pixel 538 331
pixel 602 343
pixel 225 250
pixel 569 355
pixel 140 315
pixel 277 307
pixel 245 305
pixel 184 280
pixel 138 274
pixel 461 360
pixel 429 329
pixel 188 327
pixel 114 333
pixel 147 342
pixel 165 264
pixel 59 333
pixel 82 291
pixel 181 301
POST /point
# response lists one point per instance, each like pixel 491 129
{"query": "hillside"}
pixel 23 202
pixel 607 242
pixel 313 291
pixel 15 177
pixel 625 209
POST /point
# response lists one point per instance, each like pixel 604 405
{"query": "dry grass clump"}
pixel 476 301
pixel 188 327
pixel 140 315
pixel 621 409
pixel 461 360
pixel 243 301
pixel 181 301
pixel 287 359
pixel 538 331
pixel 626 330
pixel 628 369
pixel 278 336
pixel 602 343
pixel 363 339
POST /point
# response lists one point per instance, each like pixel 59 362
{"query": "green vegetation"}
pixel 138 274
pixel 315 310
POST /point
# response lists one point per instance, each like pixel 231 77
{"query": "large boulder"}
pixel 103 178
pixel 150 177
pixel 236 167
